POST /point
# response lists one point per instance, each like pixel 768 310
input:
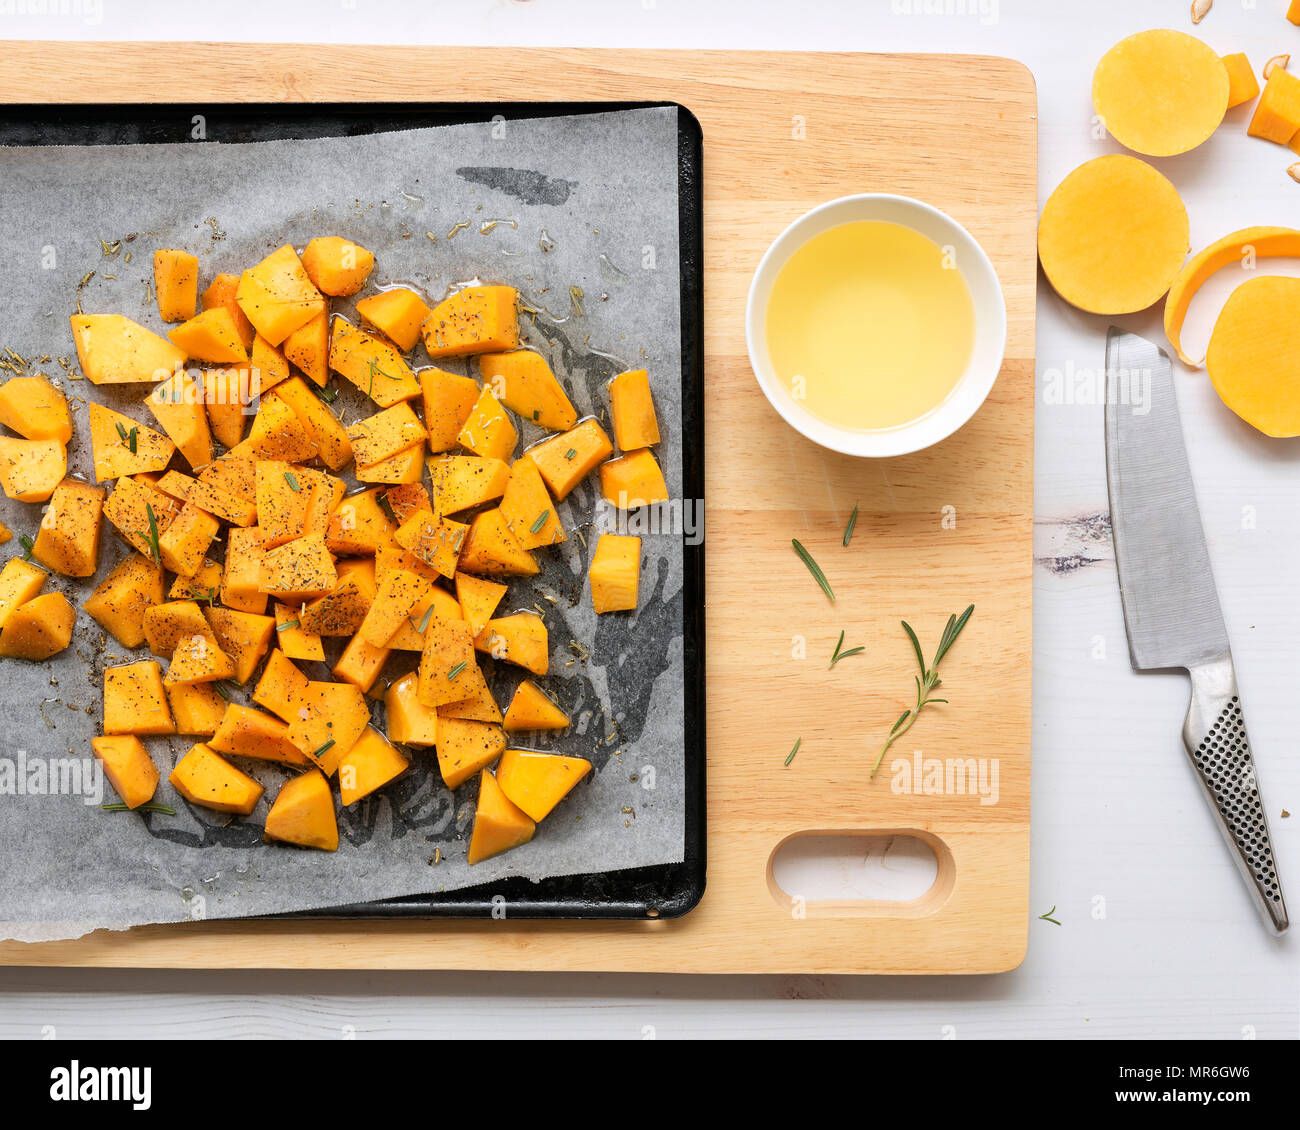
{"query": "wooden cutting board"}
pixel 936 530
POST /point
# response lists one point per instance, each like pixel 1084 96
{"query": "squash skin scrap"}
pixel 1255 351
pixel 1112 236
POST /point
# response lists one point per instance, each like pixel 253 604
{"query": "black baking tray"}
pixel 657 892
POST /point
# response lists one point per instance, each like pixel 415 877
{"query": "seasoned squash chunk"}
pixel 404 467
pixel 398 314
pixel 537 782
pixel 222 292
pixel 185 542
pixel 227 393
pixel 176 283
pixel 244 636
pixel 198 659
pixel 276 433
pixel 532 709
pixel 397 594
pixel 136 509
pixel 477 319
pixel 246 732
pixel 406 499
pixel 336 265
pixel 134 700
pixel 330 717
pixel 435 541
pixel 308 347
pixel 360 663
pixel 269 366
pixel 341 611
pixel 35 409
pixel 299 570
pixel 177 404
pixel 498 824
pixel 633 480
pixel 233 475
pixel 204 585
pixel 319 421
pixel 38 629
pixel 478 703
pixel 448 400
pixel 30 469
pixel 374 366
pixel 491 548
pixel 616 573
pixel 524 383
pixel 369 765
pixel 120 602
pixel 206 778
pixel 386 433
pixel 565 460
pixel 520 638
pixel 197 708
pixel 291 638
pixel 359 525
pixel 448 652
pixel 281 687
pixel 68 540
pixel 432 602
pixel 633 409
pixel 409 720
pixel 527 508
pixel 123 446
pixel 465 747
pixel 487 430
pixel 283 499
pixel 303 813
pixel 128 767
pixel 114 350
pixel 20 581
pixel 210 336
pixel 459 482
pixel 278 296
pixel 166 624
pixel 241 582
pixel 478 598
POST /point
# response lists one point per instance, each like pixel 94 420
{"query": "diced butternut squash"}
pixel 478 703
pixel 198 659
pixel 615 573
pixel 278 296
pixel 30 469
pixel 176 283
pixel 205 778
pixel 409 720
pixel 537 782
pixel 477 319
pixel 303 813
pixel 341 611
pixel 406 499
pixel 398 314
pixel 211 336
pixel 20 581
pixel 299 570
pixel 633 480
pixel 222 292
pixel 499 825
pixel 134 700
pixel 319 421
pixel 490 548
pixel 487 430
pixel 532 709
pixel 633 409
pixel 233 475
pixel 393 556
pixel 524 383
pixel 128 767
pixel 404 467
pixel 478 598
pixel 204 585
pixel 308 347
pixel 565 460
pixel 1160 92
pixel 291 638
pixel 123 446
pixel 527 508
pixel 359 525
pixel 1277 116
pixel 369 765
pixel 331 717
pixel 165 625
pixel 242 580
pixel 459 482
pixel 448 652
pixel 448 400
pixel 38 629
pixel 122 599
pixel 283 497
pixel 465 747
pixel 370 363
pixel 245 732
pixel 1112 236
pixel 386 433
pixel 269 365
pixel 227 394
pixel 1243 86
pixel 184 544
pixel 35 409
pixel 432 602
pixel 276 433
pixel 435 541
pixel 68 539
pixel 244 636
pixel 360 663
pixel 520 638
pixel 135 508
pixel 197 708
pixel 1254 351
pixel 113 350
pixel 397 594
pixel 336 265
pixel 281 687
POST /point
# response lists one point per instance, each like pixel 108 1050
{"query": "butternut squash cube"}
pixel 277 296
pixel 397 594
pixel 398 314
pixel 134 700
pixel 299 570
pixel 409 720
pixel 633 480
pixel 336 265
pixel 38 629
pixel 537 782
pixel 246 732
pixel 210 336
pixel 197 708
pixel 359 525
pixel 532 709
pixel 123 446
pixel 283 498
pixel 386 433
pixel 465 747
pixel 303 813
pixel 527 508
pixel 269 366
pixel 406 499
pixel 565 460
pixel 122 599
pixel 330 717
pixel 204 585
pixel 633 410
pixel 129 507
pixel 308 347
pixel 369 765
pixel 524 383
pixel 448 399
pixel 241 583
pixel 478 704
pixel 435 541
pixel 519 638
pixel 166 624
pixel 276 433
pixel 227 397
pixel 1277 116
pixel 199 659
pixel 459 482
pixel 281 687
pixel 114 350
pixel 68 540
pixel 319 421
pixel 30 469
pixel 176 283
pixel 490 548
pixel 393 556
pixel 616 573
pixel 341 611
pixel 360 663
pixel 478 598
pixel 184 544
pixel 222 292
pixel 128 767
pixel 487 430
pixel 404 467
pixel 35 409
pixel 1243 86
pixel 206 778
pixel 498 824
pixel 292 639
pixel 233 475
pixel 477 319
pixel 433 602
pixel 448 653
pixel 374 366
pixel 20 581
pixel 244 636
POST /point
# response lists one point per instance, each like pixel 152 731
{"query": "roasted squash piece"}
pixel 130 506
pixel 330 719
pixel 404 467
pixel 222 292
pixel 134 700
pixel 478 598
pixel 477 319
pixel 205 778
pixel 537 782
pixel 35 409
pixel 322 426
pixel 198 659
pixel 398 314
pixel 336 265
pixel 435 541
pixel 244 636
pixel 359 525
pixel 448 652
pixel 123 446
pixel 374 366
pixel 184 544
pixel 490 548
pixel 532 709
pixel 615 573
pixel 292 639
pixel 487 430
pixel 177 404
pixel 448 399
pixel 19 583
pixel 114 350
pixel 633 410
pixel 211 336
pixel 527 508
pixel 122 599
pixel 281 687
pixel 30 469
pixel 68 540
pixel 565 460
pixel 459 482
pixel 277 296
pixel 519 638
pixel 369 765
pixel 299 570
pixel 242 580
pixel 524 383
pixel 38 629
pixel 499 825
pixel 386 433
pixel 465 747
pixel 303 813
pixel 409 721
pixel 197 708
pixel 128 767
pixel 246 732
pixel 633 480
pixel 176 283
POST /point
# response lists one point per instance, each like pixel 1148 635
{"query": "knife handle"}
pixel 1215 737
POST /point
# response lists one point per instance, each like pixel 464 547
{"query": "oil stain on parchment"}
pixel 526 185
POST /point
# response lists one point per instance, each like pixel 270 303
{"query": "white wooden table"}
pixel 1157 936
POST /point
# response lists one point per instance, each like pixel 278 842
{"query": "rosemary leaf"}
pixel 540 522
pixel 797 744
pixel 456 670
pixel 813 567
pixel 848 530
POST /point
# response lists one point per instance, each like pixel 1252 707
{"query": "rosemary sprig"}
pixel 456 670
pixel 848 530
pixel 835 658
pixel 813 567
pixel 130 438
pixel 374 368
pixel 327 393
pixel 287 625
pixel 150 806
pixel 292 481
pixel 797 744
pixel 540 522
pixel 322 750
pixel 152 535
pixel 28 545
pixel 1048 917
pixel 927 681
pixel 573 451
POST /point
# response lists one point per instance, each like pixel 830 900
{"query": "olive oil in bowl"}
pixel 870 326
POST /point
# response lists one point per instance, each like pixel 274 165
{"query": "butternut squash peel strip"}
pixel 1266 242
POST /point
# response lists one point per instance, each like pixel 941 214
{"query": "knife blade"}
pixel 1171 606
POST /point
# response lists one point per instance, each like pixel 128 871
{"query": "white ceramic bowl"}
pixel 990 325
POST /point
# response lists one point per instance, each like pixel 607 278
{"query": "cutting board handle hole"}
pixel 893 872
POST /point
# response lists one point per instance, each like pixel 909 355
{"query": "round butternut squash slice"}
pixel 1254 354
pixel 1243 247
pixel 1113 235
pixel 1160 92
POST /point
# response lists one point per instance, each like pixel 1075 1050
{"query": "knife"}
pixel 1171 607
